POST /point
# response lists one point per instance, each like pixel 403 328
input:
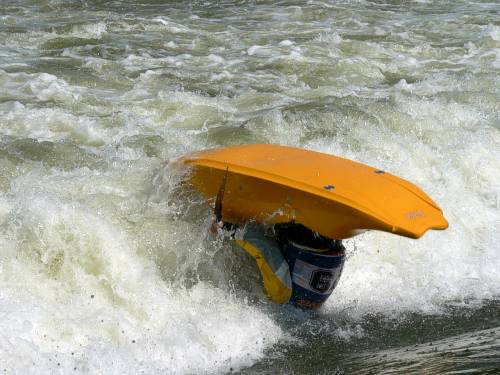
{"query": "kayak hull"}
pixel 335 197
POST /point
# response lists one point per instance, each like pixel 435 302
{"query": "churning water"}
pixel 106 266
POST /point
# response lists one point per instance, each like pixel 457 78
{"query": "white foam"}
pixel 92 30
pixel 47 87
pixel 169 25
pixel 286 43
pixel 40 86
pixel 76 293
pixel 171 44
pixel 47 124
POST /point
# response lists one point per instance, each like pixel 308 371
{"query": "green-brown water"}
pixel 105 267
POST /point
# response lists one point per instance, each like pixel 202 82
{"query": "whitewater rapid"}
pixel 106 267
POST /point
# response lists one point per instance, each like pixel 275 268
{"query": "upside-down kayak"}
pixel 311 201
pixel 333 196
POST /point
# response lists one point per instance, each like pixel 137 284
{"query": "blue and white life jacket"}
pixel 297 266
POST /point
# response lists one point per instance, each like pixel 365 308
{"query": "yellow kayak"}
pixel 335 197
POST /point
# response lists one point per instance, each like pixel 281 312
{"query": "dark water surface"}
pixel 106 267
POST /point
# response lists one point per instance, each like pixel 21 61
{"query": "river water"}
pixel 105 263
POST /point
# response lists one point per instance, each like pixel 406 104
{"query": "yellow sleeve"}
pixel 277 283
